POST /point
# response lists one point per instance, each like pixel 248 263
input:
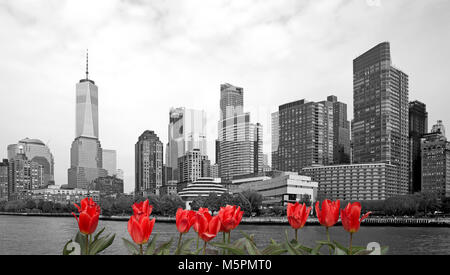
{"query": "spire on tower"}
pixel 87 63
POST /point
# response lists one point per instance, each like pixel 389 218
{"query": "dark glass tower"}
pixel 380 126
pixel 418 126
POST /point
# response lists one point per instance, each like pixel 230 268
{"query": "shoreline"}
pixel 382 221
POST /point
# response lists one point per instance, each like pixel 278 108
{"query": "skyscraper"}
pixel 4 180
pixel 35 150
pixel 187 132
pixel 148 164
pixel 239 143
pixel 275 138
pixel 109 158
pixel 435 152
pixel 86 151
pixel 341 131
pixel 418 126
pixel 306 135
pixel 380 124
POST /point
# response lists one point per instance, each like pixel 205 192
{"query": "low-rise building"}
pixel 56 194
pixel 371 181
pixel 109 186
pixel 169 188
pixel 278 188
pixel 202 187
pixel 4 180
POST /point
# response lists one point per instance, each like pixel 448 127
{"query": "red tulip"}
pixel 88 218
pixel 140 226
pixel 350 217
pixel 329 215
pixel 194 221
pixel 207 228
pixel 297 214
pixel 184 220
pixel 230 217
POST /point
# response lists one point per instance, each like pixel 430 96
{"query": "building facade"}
pixel 35 150
pixel 239 144
pixel 148 164
pixel 4 166
pixel 56 194
pixel 202 187
pixel 86 151
pixel 193 165
pixel 341 131
pixel 418 126
pixel 380 126
pixel 435 152
pixel 23 175
pixel 356 182
pixel 109 186
pixel 281 189
pixel 109 161
pixel 187 132
pixel 306 135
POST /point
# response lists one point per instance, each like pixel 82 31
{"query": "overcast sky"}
pixel 148 56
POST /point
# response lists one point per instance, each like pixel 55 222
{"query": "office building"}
pixel 279 189
pixel 193 165
pixel 36 151
pixel 435 152
pixel 148 164
pixel 109 159
pixel 306 135
pixel 4 165
pixel 418 126
pixel 380 126
pixel 341 131
pixel 109 186
pixel 86 151
pixel 56 194
pixel 239 143
pixel 187 132
pixel 23 175
pixel 356 182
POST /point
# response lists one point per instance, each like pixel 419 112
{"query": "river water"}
pixel 47 235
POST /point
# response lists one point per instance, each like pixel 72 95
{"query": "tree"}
pixel 255 199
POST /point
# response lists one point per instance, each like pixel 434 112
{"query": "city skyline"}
pixel 271 74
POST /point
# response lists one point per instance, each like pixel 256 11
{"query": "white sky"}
pixel 148 56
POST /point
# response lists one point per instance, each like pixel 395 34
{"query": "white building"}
pixel 202 187
pixel 284 187
pixel 109 158
pixel 55 194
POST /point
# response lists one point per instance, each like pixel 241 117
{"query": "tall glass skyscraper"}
pixel 187 133
pixel 86 151
pixel 239 144
pixel 418 126
pixel 380 127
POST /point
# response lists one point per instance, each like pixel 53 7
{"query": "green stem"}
pixel 328 237
pixel 229 237
pixel 351 239
pixel 198 237
pixel 141 250
pixel 179 242
pixel 296 235
pixel 224 241
pixel 204 249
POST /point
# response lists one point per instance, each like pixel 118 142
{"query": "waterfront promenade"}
pixel 373 221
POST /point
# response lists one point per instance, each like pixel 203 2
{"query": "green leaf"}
pixel 251 248
pixel 185 246
pixel 132 248
pixel 80 238
pixel 164 249
pixel 338 251
pixel 65 250
pixel 151 246
pixel 341 247
pixel 98 234
pixel 101 244
pixel 230 248
pixel 384 250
